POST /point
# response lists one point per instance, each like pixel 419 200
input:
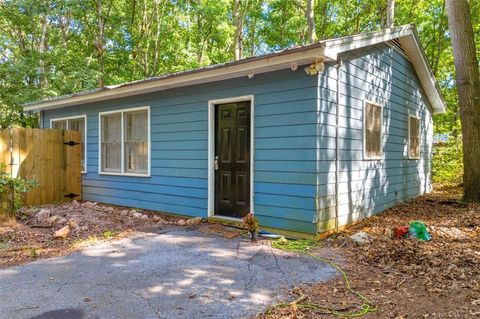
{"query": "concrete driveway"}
pixel 180 273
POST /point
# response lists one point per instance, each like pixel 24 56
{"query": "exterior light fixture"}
pixel 315 68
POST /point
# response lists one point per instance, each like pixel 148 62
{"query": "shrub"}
pixel 12 190
pixel 447 166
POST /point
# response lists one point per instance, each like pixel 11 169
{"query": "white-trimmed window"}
pixel 372 124
pixel 74 123
pixel 413 137
pixel 125 142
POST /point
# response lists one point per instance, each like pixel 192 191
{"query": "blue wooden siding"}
pixel 285 149
pixel 295 144
pixel 379 74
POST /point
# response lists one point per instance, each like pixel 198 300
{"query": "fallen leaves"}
pixel 407 278
pixel 451 259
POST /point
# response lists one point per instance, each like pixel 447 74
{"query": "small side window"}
pixel 413 137
pixel 59 124
pixel 373 131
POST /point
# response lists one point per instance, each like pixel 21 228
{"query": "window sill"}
pixel 124 174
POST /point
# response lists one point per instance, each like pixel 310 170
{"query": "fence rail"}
pixel 50 157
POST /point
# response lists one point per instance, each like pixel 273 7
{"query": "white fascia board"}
pixel 262 65
pixel 353 42
pixel 414 51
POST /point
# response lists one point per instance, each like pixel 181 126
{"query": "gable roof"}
pixel 405 37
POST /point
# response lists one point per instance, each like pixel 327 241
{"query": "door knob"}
pixel 216 163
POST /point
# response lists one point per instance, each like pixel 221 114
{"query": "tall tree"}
pixel 99 42
pixel 143 38
pixel 310 13
pixel 42 49
pixel 253 23
pixel 390 13
pixel 468 83
pixel 237 23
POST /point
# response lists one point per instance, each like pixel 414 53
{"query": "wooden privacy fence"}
pixel 50 157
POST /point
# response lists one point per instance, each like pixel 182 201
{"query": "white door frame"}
pixel 211 148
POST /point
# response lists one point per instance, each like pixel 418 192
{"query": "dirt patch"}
pixel 32 235
pixel 405 278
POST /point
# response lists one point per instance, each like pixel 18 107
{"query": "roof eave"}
pixel 435 94
pixel 409 37
pixel 257 65
pixel 335 46
pixel 328 49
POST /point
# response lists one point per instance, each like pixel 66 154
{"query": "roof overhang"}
pixel 408 37
pixel 255 65
pixel 328 50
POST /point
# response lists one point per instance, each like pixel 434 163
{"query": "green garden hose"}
pixel 303 246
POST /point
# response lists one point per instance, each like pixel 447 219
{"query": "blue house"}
pixel 310 138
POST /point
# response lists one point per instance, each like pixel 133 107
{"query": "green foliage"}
pixel 4 244
pixel 56 47
pixel 108 234
pixel 11 115
pixel 447 164
pixel 14 186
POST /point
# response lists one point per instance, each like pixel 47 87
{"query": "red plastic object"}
pixel 400 232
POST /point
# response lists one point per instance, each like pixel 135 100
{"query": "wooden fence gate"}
pixel 50 157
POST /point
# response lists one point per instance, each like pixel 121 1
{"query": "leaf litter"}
pixel 405 278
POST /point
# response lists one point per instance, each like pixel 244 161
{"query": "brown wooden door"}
pixel 232 159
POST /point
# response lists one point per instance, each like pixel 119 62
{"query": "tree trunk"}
pixel 145 39
pixel 310 13
pixel 64 19
pixel 253 35
pixel 468 84
pixel 159 22
pixel 99 44
pixel 390 13
pixel 442 28
pixel 237 23
pixel 42 49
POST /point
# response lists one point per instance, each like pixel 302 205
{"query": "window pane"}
pixel 59 125
pixel 373 130
pixel 111 147
pixel 414 138
pixel 136 142
pixel 78 124
pixel 368 143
